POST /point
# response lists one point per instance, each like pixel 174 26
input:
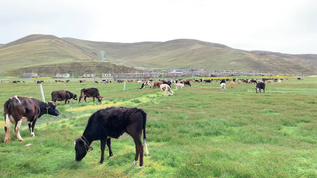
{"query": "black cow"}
pixel 259 86
pixel 167 82
pixel 90 92
pixel 62 95
pixel 19 108
pixel 186 82
pixel 110 123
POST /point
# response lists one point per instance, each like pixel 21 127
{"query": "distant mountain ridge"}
pixel 34 50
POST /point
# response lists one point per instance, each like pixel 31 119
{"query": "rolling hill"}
pixel 35 50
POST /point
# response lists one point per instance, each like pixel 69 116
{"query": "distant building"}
pixel 174 73
pixel 89 75
pixel 106 75
pixel 30 75
pixel 66 75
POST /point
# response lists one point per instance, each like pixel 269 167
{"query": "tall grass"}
pixel 200 131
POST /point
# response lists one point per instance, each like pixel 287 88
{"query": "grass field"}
pixel 200 131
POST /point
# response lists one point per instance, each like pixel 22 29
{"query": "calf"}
pixel 19 108
pixel 110 123
pixel 223 84
pixel 146 83
pixel 157 84
pixel 180 85
pixel 166 88
pixel 62 95
pixel 259 86
pixel 186 82
pixel 90 92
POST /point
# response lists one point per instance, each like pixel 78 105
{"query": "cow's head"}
pixel 52 109
pixel 99 98
pixel 74 96
pixel 81 148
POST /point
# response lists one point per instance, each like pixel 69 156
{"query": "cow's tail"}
pixel 144 133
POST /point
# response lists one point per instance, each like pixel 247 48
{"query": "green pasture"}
pixel 200 131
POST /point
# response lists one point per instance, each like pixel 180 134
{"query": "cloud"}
pixel 283 26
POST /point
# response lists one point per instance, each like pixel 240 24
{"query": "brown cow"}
pixel 62 95
pixel 19 108
pixel 157 84
pixel 90 92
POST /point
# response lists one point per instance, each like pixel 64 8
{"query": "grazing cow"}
pixel 166 88
pixel 62 95
pixel 146 83
pixel 223 84
pixel 90 92
pixel 259 86
pixel 157 84
pixel 167 82
pixel 109 123
pixel 181 85
pixel 186 82
pixel 232 84
pixel 17 109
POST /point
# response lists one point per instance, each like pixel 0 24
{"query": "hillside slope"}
pixel 175 54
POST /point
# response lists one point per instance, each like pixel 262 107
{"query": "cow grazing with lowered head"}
pixel 260 86
pixel 157 84
pixel 18 109
pixel 166 88
pixel 186 82
pixel 62 95
pixel 90 92
pixel 146 83
pixel 109 123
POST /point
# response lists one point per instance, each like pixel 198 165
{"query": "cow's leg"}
pixel 80 99
pixel 7 129
pixel 17 130
pixel 66 101
pixel 32 128
pixel 109 146
pixel 136 134
pixel 102 148
pixel 85 99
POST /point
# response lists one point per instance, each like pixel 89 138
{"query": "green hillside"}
pixel 37 50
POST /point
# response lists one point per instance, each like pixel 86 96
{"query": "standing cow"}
pixel 260 86
pixel 19 108
pixel 62 95
pixel 109 123
pixel 90 92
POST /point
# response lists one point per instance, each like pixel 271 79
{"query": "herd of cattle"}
pixel 106 123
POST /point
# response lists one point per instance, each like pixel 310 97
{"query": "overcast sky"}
pixel 288 26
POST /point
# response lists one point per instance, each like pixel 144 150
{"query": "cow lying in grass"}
pixel 109 123
pixel 166 88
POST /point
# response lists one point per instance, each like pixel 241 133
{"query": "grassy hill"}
pixel 37 50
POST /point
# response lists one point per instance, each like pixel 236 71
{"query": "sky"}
pixel 286 26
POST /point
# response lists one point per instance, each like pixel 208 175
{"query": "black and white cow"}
pixel 17 109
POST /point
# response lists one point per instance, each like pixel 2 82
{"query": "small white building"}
pixel 89 75
pixel 66 75
pixel 106 75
